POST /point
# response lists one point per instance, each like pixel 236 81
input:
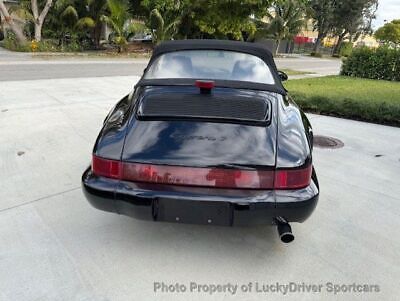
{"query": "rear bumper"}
pixel 224 207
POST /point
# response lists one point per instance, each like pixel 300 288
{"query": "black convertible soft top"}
pixel 256 49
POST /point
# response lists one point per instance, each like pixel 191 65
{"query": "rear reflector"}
pixel 205 177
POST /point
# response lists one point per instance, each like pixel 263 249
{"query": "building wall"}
pixel 368 41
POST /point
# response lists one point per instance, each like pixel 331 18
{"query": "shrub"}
pixel 73 46
pixel 50 45
pixel 346 49
pixel 381 63
pixel 47 46
pixel 11 43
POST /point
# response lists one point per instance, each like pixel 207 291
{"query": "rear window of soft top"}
pixel 210 64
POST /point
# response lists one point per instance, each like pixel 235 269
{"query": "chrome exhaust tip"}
pixel 284 230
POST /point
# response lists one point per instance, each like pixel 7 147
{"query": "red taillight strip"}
pixel 194 176
pixel 206 177
pixel 106 167
pixel 293 178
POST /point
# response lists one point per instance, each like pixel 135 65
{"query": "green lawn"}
pixel 362 99
pixel 295 72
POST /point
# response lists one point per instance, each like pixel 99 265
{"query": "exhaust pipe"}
pixel 284 230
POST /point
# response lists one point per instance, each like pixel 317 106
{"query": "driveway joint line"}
pixel 40 199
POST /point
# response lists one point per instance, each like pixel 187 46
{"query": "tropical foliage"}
pixel 91 19
pixel 117 18
pixel 161 29
pixel 286 19
pixel 82 24
pixel 229 19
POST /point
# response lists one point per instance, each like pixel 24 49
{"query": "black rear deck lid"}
pixel 222 108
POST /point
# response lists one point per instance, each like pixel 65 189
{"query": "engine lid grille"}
pixel 223 108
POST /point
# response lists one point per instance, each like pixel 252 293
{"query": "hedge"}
pixel 346 49
pixel 380 63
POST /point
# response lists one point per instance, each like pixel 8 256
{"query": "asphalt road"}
pixel 55 246
pixel 22 66
pixel 70 70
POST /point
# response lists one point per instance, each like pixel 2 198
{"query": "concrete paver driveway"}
pixel 55 246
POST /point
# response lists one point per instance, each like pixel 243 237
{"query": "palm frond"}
pixel 62 4
pixel 112 24
pixel 287 19
pixel 118 13
pixel 69 13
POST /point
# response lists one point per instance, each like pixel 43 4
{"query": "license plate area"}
pixel 193 212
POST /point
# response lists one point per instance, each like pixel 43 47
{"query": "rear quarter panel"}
pixel 294 139
pixel 110 141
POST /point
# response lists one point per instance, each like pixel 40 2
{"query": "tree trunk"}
pixel 14 27
pixel 317 44
pixel 277 42
pixel 39 18
pixel 338 45
pixel 97 35
pixel 38 32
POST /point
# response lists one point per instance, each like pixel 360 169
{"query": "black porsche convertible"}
pixel 209 135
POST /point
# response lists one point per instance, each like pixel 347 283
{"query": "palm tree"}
pixel 117 19
pixel 286 20
pixel 64 19
pixel 163 28
pixel 94 11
